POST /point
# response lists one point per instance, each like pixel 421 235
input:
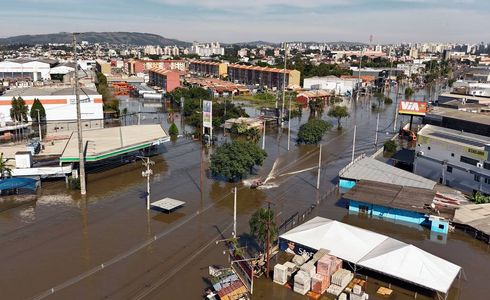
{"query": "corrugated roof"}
pixel 392 195
pixel 368 168
pixel 474 215
pixel 47 91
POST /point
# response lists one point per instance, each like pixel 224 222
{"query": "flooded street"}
pixel 107 245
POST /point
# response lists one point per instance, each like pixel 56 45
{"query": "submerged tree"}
pixel 338 112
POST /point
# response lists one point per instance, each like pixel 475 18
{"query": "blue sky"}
pixel 248 20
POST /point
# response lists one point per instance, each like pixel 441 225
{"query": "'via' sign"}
pixel 416 108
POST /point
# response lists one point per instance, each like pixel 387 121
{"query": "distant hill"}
pixel 129 38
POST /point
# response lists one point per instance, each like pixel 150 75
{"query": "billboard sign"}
pixel 207 114
pixel 414 108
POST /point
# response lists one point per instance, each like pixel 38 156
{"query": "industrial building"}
pixel 25 69
pixel 469 122
pixel 59 104
pixel 208 68
pixel 168 80
pixel 269 78
pixel 340 86
pixel 453 158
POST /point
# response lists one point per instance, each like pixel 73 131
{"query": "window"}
pixel 449 169
pixel 452 154
pixel 477 178
pixel 468 160
pixel 363 209
pixel 441 226
pixel 486 165
pixel 487 180
pixel 428 148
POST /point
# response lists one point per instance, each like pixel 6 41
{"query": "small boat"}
pixel 256 183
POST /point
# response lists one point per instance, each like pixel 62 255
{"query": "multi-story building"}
pixel 103 67
pixel 140 66
pixel 168 80
pixel 340 86
pixel 270 78
pixel 208 68
pixel 213 48
pixel 453 158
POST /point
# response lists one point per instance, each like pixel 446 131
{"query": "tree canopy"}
pixel 313 131
pixel 5 171
pixel 37 105
pixel 338 112
pixel 409 92
pixel 236 159
pixel 258 225
pixel 19 110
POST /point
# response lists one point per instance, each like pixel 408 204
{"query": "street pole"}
pixel 289 123
pixel 354 143
pixel 268 240
pixel 376 136
pixel 39 124
pixel 147 163
pixel 81 156
pixel 396 106
pixel 263 136
pixel 359 77
pixel 234 211
pixel 319 168
pixel 284 83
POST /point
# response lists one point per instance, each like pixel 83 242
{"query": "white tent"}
pixel 377 252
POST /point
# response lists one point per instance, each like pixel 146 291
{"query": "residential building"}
pixel 454 158
pixel 59 104
pixel 208 68
pixel 168 80
pixel 103 67
pixel 481 74
pixel 213 48
pixel 270 78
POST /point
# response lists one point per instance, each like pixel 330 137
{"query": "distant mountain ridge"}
pixel 128 38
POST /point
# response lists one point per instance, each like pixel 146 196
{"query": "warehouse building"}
pixel 60 106
pixel 25 69
pixel 208 68
pixel 340 86
pixel 269 78
pixel 453 158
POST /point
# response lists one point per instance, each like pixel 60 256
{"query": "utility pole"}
pixel 354 143
pixel 376 136
pixel 81 156
pixel 284 82
pixel 234 211
pixel 147 163
pixel 289 123
pixel 319 168
pixel 359 77
pixel 263 135
pixel 396 106
pixel 268 240
pixel 39 124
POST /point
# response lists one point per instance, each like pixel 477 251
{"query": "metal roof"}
pixel 368 168
pixel 474 215
pixel 454 136
pixel 51 91
pixel 391 195
pixel 167 204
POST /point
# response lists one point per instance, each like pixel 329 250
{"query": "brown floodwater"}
pixel 106 245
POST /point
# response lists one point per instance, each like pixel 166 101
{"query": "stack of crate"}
pixel 280 274
pixel 302 283
pixel 320 283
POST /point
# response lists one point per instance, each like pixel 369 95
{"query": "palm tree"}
pixel 258 225
pixel 5 171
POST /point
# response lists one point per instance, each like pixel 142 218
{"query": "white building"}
pixel 339 86
pixel 21 69
pixel 453 158
pixel 59 104
pixel 409 68
pixel 213 48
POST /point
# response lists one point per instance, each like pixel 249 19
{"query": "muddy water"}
pixel 107 245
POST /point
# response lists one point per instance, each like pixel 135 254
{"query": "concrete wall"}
pixel 389 213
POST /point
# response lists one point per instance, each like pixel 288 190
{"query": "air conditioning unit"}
pixel 420 153
pixel 479 165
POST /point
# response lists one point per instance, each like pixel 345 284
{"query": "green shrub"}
pixel 390 146
pixel 173 130
pixel 313 131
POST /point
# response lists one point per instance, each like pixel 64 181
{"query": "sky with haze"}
pixel 388 21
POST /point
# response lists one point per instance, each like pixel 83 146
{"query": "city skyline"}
pixel 269 20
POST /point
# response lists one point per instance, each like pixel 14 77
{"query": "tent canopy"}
pixel 376 252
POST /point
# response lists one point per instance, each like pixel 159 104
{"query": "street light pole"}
pixel 81 156
pixel 234 211
pixel 147 163
pixel 376 136
pixel 263 135
pixel 39 124
pixel 268 239
pixel 289 123
pixel 319 168
pixel 284 83
pixel 354 143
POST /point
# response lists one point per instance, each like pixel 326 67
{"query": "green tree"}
pixel 338 112
pixel 479 198
pixel 313 131
pixel 173 131
pixel 390 146
pixel 409 93
pixel 19 110
pixel 250 134
pixel 236 159
pixel 5 171
pixel 37 105
pixel 259 221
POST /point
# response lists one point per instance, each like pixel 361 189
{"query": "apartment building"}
pixel 141 66
pixel 168 80
pixel 270 78
pixel 208 68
